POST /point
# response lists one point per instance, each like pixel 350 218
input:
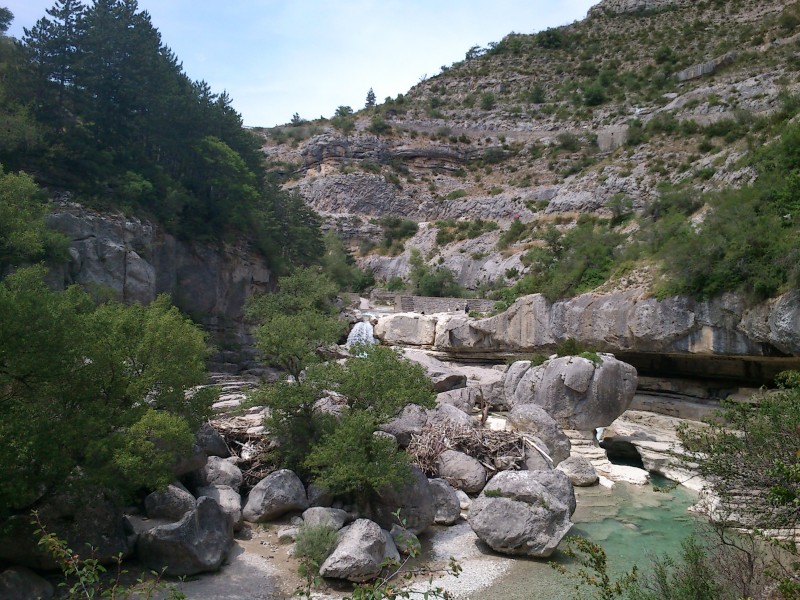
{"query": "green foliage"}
pixel 488 101
pixel 451 230
pixel 515 233
pixel 379 126
pixel 395 284
pixel 379 381
pixel 296 321
pixel 456 194
pixel 429 281
pixel 752 453
pixel 569 263
pixel 24 238
pixel 312 547
pixel 594 94
pixel 113 377
pixel 395 230
pixel 370 102
pixel 345 456
pixel 340 266
pixel 353 462
pixel 593 570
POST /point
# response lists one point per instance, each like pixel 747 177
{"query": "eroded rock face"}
pixel 196 544
pixel 520 516
pixel 138 260
pixel 632 6
pixel 630 322
pixel 359 553
pixel 275 495
pixel 576 392
pixel 444 378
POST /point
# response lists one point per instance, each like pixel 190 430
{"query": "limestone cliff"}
pixel 135 260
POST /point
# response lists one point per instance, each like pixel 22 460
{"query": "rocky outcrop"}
pixel 577 392
pixel 443 377
pixel 580 471
pixel 630 322
pixel 634 6
pixel 137 260
pixel 516 514
pixel 414 500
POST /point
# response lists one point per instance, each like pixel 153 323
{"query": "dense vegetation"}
pixel 331 444
pixel 92 395
pixel 96 105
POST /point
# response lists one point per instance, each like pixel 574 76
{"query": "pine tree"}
pixel 370 99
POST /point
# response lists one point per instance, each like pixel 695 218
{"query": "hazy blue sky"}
pixel 278 57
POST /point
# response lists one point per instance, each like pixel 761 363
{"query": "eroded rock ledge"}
pixel 627 324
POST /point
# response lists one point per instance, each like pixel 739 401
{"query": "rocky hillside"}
pixel 596 122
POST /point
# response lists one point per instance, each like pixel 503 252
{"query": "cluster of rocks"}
pixel 514 508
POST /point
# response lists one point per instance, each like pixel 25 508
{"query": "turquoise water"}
pixel 629 522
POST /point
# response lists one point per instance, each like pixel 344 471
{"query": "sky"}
pixel 280 57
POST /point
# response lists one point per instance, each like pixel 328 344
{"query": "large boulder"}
pixel 410 421
pixel 358 554
pixel 171 503
pixel 229 500
pixel 406 329
pixel 532 419
pixel 219 471
pixel 461 471
pixel 519 516
pixel 577 392
pixel 558 484
pixel 19 583
pixel 196 544
pixel 445 502
pixel 579 470
pixel 275 495
pixel 414 499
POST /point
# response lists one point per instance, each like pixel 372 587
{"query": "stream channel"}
pixel 631 523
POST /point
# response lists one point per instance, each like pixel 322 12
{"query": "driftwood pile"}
pixel 251 448
pixel 495 450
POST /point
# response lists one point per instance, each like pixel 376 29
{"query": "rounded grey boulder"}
pixel 275 495
pixel 462 471
pixel 533 419
pixel 172 503
pixel 519 516
pixel 579 470
pixel 576 392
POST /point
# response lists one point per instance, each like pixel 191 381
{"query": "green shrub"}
pixel 395 284
pixel 312 546
pixel 456 194
pixel 488 101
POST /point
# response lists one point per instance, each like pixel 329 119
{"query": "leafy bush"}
pixel 488 101
pixel 312 546
pixel 456 194
pixel 429 281
pixel 113 377
pixel 515 232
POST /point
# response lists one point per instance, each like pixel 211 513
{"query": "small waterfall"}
pixel 361 334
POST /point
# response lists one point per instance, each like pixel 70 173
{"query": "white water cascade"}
pixel 361 334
